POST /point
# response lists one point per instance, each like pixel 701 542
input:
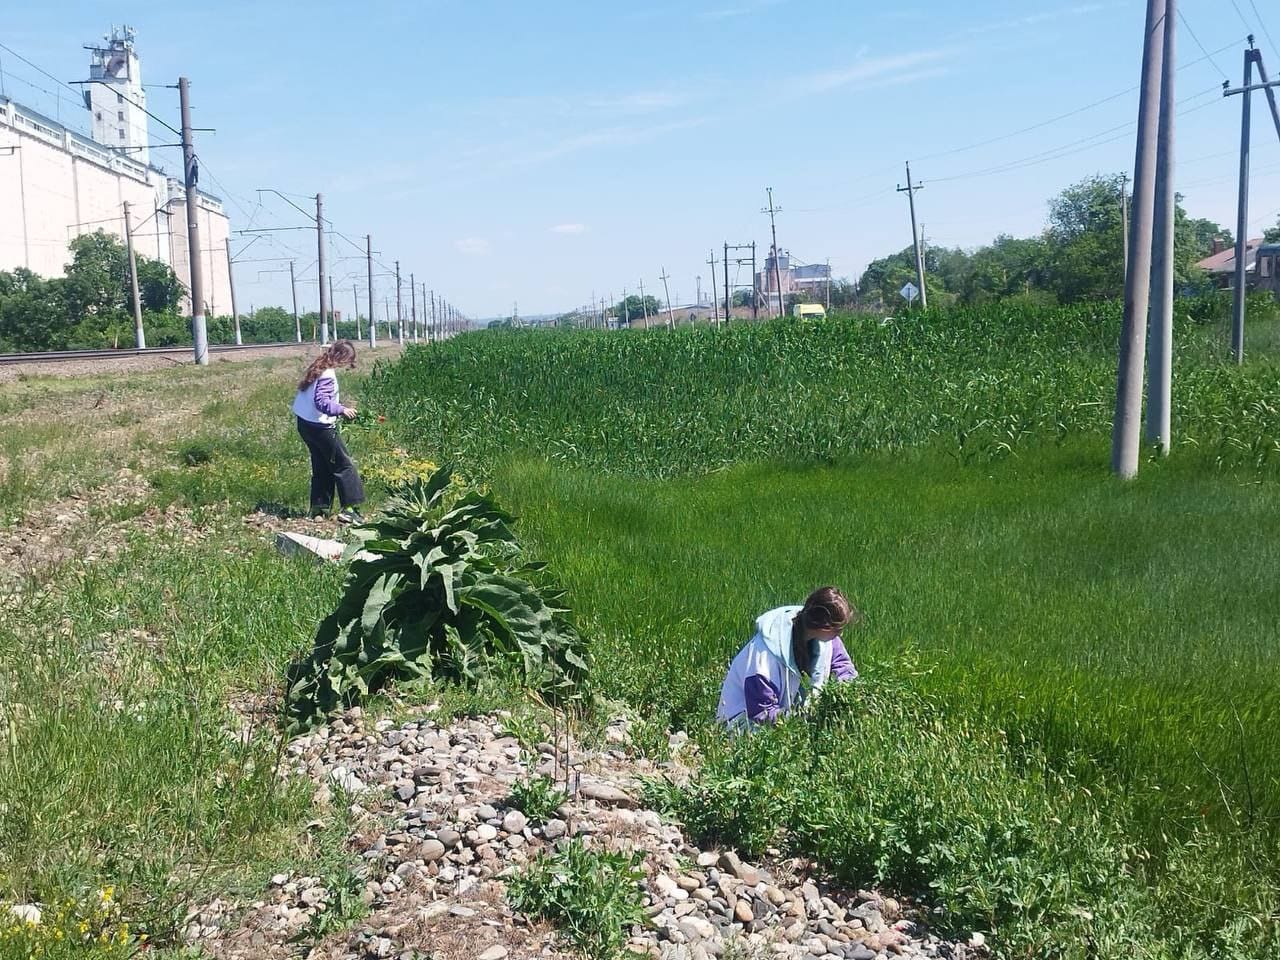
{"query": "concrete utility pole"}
pixel 425 332
pixel 728 304
pixel 666 293
pixel 435 332
pixel 1124 220
pixel 413 306
pixel 910 190
pixel 777 269
pixel 191 176
pixel 231 282
pixel 626 310
pixel 399 309
pixel 1242 211
pixel 644 305
pixel 324 293
pixel 332 322
pixel 369 266
pixel 1160 343
pixel 1125 438
pixel 139 337
pixel 755 294
pixel 293 284
pixel 715 306
pixel 355 299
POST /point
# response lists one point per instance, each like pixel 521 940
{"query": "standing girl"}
pixel 318 410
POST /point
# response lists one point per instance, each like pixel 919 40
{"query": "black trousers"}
pixel 331 466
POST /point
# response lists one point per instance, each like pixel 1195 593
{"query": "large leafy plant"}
pixel 437 587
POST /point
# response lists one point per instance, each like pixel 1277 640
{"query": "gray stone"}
pixel 554 829
pixel 406 789
pixel 860 951
pixel 486 832
pixel 696 928
pixel 708 858
pixel 732 863
pixel 514 822
pixel 432 850
pixel 496 952
pixel 450 838
pixel 607 794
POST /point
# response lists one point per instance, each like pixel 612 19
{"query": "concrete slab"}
pixel 331 551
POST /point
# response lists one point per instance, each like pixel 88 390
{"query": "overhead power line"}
pixel 1262 23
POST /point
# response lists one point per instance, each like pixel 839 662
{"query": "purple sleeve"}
pixel 842 667
pixel 762 699
pixel 326 389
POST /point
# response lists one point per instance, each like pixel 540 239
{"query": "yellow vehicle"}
pixel 815 310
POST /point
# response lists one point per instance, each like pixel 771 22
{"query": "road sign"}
pixel 910 292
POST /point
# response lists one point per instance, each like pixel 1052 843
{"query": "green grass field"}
pixel 951 474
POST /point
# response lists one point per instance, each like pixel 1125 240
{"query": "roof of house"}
pixel 1225 262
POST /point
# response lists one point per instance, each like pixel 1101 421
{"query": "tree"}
pixel 634 307
pixel 1273 234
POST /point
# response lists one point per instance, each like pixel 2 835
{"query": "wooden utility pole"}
pixel 1160 343
pixel 1125 437
pixel 910 190
pixel 139 338
pixel 231 282
pixel 191 176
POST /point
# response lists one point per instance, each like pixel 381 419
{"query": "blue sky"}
pixel 540 152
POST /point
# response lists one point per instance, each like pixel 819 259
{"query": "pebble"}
pixel 432 850
pixel 554 829
pixel 496 952
pixel 514 822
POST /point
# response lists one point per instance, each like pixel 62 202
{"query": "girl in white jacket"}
pixel 765 680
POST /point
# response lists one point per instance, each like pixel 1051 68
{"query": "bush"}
pixel 437 587
pixel 593 896
pixel 878 789
pixel 537 798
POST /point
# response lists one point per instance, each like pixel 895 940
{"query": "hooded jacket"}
pixel 764 681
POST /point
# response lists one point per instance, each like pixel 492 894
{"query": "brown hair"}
pixel 340 353
pixel 828 609
pixel 824 609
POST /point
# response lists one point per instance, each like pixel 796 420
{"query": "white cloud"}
pixel 641 101
pixel 741 10
pixel 876 71
pixel 569 228
pixel 472 246
pixel 614 136
pixel 1034 19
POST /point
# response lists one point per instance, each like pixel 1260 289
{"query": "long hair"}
pixel 340 353
pixel 824 609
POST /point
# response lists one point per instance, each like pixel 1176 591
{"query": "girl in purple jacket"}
pixel 765 680
pixel 318 410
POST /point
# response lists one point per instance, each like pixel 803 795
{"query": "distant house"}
pixel 1221 264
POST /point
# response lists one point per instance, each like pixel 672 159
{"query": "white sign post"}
pixel 910 292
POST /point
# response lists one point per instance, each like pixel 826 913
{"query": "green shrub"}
pixel 879 788
pixel 437 587
pixel 594 897
pixel 537 798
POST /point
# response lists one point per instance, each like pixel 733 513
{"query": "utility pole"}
pixel 666 293
pixel 324 294
pixel 644 305
pixel 755 294
pixel 828 285
pixel 231 282
pixel 1124 218
pixel 697 282
pixel 777 269
pixel 1125 438
pixel 1242 211
pixel 728 304
pixel 355 298
pixel 626 310
pixel 413 306
pixel 435 333
pixel 910 190
pixel 293 284
pixel 715 306
pixel 399 309
pixel 368 263
pixel 332 322
pixel 386 312
pixel 1160 344
pixel 191 175
pixel 139 337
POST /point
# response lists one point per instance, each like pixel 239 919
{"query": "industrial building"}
pixel 56 184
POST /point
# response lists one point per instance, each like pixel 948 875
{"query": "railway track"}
pixel 89 355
